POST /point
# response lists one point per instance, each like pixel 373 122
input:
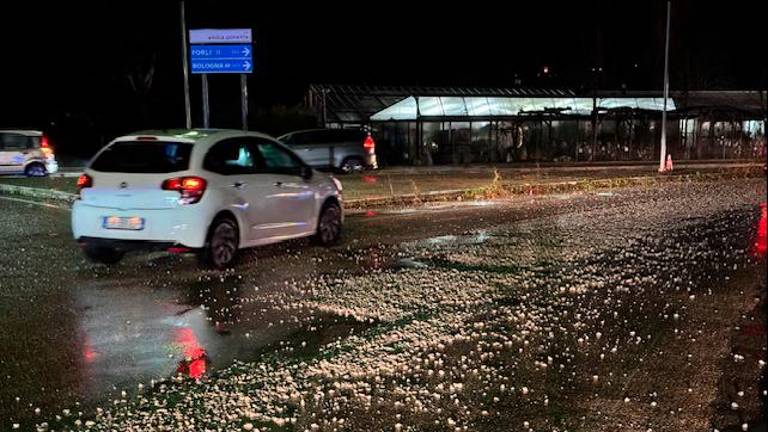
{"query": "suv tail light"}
pixel 369 144
pixel 190 188
pixel 84 181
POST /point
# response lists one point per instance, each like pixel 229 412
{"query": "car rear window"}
pixel 144 157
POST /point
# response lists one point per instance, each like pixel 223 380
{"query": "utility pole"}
pixel 185 65
pixel 663 149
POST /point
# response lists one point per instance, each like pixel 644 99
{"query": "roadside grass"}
pixel 64 184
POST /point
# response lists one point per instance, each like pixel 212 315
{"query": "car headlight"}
pixel 337 182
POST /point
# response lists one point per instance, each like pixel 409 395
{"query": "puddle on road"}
pixel 451 240
pixel 406 263
pixel 133 337
pixel 244 328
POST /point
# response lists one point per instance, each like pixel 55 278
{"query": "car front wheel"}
pixel 329 225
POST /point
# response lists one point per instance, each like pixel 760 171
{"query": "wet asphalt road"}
pixel 75 333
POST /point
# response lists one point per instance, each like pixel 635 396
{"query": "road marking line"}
pixel 43 204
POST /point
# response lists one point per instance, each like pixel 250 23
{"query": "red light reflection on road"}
pixel 195 358
pixel 89 354
pixel 761 239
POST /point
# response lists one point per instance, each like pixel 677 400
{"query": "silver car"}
pixel 26 152
pixel 344 150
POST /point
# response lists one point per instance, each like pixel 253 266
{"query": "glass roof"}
pixel 433 106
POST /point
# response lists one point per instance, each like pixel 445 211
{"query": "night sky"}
pixel 67 62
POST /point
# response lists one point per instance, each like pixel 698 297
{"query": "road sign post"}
pixel 222 51
pixel 244 99
pixel 206 107
pixel 185 64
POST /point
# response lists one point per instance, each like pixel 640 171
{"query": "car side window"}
pixel 315 138
pixel 299 138
pixel 276 159
pixel 232 156
pixel 14 141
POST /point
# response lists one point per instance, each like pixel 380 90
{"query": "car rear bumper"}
pixel 52 166
pixel 174 226
pixel 129 245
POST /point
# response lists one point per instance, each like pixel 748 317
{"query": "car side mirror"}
pixel 305 172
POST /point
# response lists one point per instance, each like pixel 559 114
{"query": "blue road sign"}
pixel 221 58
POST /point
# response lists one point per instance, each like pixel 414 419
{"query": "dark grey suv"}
pixel 345 150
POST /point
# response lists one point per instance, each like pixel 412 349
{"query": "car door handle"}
pixel 278 183
pixel 239 184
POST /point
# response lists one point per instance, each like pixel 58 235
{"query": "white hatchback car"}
pixel 208 191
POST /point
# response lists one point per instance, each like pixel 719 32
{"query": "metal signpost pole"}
pixel 244 99
pixel 206 108
pixel 185 65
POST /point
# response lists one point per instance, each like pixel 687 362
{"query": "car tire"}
pixel 35 169
pixel 103 254
pixel 351 164
pixel 328 225
pixel 221 244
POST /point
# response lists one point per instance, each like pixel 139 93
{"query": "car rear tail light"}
pixel 84 181
pixel 45 145
pixel 190 188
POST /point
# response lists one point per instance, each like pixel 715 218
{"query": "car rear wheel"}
pixel 103 254
pixel 220 248
pixel 352 164
pixel 328 225
pixel 35 170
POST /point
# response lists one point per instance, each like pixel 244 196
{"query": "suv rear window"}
pixel 144 157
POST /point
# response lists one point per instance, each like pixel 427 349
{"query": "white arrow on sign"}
pixel 246 51
pixel 246 65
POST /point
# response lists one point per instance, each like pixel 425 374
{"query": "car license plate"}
pixel 123 223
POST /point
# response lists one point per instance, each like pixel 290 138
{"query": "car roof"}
pixel 26 132
pixel 325 130
pixel 190 135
